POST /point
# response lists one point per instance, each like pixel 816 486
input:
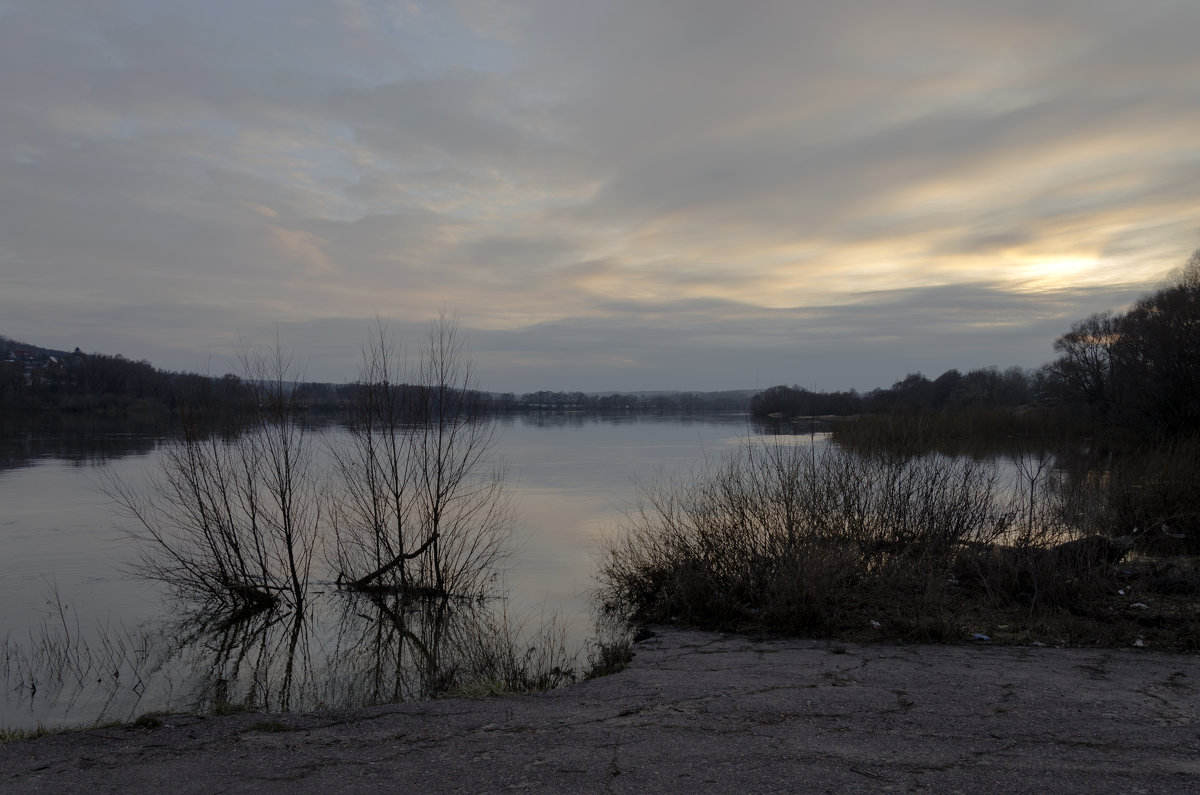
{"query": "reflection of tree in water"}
pixel 254 662
pixel 353 650
pixel 344 651
pixel 79 440
pixel 389 651
pixel 559 418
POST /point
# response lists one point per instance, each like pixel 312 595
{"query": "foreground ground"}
pixel 699 712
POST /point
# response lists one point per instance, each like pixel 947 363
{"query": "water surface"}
pixel 66 589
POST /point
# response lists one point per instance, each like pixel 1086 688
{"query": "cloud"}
pixel 626 191
pixel 713 344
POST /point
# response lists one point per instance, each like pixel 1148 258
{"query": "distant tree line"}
pixel 618 403
pixel 34 379
pixel 985 388
pixel 39 379
pixel 1138 369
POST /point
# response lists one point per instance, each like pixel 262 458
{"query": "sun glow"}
pixel 1055 273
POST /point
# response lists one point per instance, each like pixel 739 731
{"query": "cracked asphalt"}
pixel 699 712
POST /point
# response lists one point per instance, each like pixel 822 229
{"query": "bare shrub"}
pixel 1049 559
pixel 787 538
pixel 374 500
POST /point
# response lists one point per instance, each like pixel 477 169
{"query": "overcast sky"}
pixel 610 195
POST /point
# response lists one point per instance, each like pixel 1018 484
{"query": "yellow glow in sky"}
pixel 1057 273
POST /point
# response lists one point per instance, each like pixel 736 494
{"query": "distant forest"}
pixel 36 379
pixel 985 388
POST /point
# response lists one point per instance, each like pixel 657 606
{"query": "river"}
pixel 71 607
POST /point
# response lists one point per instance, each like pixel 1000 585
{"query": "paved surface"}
pixel 701 712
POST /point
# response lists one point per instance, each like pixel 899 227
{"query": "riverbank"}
pixel 698 711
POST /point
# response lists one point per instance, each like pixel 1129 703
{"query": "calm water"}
pixel 66 595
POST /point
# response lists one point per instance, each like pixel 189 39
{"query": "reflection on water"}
pixel 79 440
pixel 108 654
pixel 346 650
pixel 581 419
pixel 82 640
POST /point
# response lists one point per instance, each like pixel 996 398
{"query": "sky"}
pixel 608 195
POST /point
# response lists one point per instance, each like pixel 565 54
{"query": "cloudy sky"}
pixel 695 194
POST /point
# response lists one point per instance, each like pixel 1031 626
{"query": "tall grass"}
pixel 60 672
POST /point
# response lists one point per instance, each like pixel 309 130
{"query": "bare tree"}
pixel 373 513
pixel 424 504
pixel 1138 368
pixel 1086 360
pixel 231 517
pixel 285 473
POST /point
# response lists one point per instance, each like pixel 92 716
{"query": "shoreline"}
pixel 698 711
